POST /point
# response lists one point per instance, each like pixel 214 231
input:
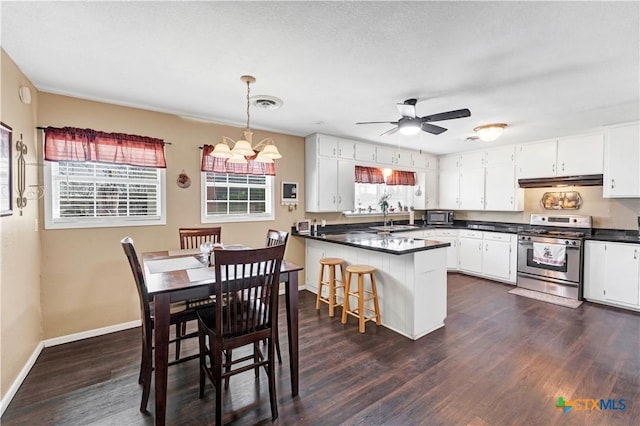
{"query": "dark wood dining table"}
pixel 175 286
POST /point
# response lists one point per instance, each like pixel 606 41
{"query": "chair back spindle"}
pixel 191 238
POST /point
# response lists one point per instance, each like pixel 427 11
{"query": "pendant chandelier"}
pixel 244 147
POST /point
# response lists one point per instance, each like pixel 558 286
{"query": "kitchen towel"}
pixel 549 254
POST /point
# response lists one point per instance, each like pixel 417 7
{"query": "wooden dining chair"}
pixel 246 288
pixel 275 237
pixel 191 238
pixel 181 313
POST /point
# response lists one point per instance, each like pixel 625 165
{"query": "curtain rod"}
pixel 44 128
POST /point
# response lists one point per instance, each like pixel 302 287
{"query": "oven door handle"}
pixel 530 244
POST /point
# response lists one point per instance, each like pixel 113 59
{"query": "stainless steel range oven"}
pixel 550 254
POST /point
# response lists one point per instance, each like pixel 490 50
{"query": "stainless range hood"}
pixel 550 182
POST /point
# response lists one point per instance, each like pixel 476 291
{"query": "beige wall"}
pixel 86 281
pixel 20 316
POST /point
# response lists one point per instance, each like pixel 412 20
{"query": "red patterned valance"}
pixel 369 175
pixel 72 144
pixel 401 178
pixel 221 165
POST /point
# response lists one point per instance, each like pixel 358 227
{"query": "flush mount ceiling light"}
pixel 409 127
pixel 244 147
pixel 490 132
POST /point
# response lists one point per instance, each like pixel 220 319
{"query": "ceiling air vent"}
pixel 266 102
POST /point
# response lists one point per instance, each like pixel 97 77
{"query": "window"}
pixel 367 195
pixel 90 194
pixel 228 197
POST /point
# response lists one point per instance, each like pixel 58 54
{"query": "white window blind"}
pixel 236 197
pixel 86 194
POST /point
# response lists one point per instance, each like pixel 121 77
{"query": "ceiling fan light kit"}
pixel 410 124
pixel 490 132
pixel 244 147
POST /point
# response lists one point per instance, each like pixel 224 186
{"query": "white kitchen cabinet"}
pixel 449 189
pixel 431 189
pixel 501 190
pixel 472 160
pixel 365 152
pixel 470 251
pixel 621 162
pixel 580 155
pixel 500 156
pixel 499 256
pixel 612 273
pixel 329 180
pixel 404 158
pixel 471 188
pixel 568 156
pixel 448 236
pixel 537 159
pixel 385 156
pixel 449 162
pixel 332 146
pixel 432 162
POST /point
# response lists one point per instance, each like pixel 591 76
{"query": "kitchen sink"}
pixel 392 228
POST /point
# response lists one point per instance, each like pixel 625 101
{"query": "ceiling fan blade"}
pixel 378 122
pixel 407 110
pixel 449 115
pixel 433 129
pixel 390 131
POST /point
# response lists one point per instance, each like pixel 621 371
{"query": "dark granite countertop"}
pixel 349 230
pixel 614 235
pixel 388 243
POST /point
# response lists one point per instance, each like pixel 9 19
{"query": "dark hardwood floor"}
pixel 501 359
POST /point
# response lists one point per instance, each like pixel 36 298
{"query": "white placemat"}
pixel 184 252
pixel 201 274
pixel 175 264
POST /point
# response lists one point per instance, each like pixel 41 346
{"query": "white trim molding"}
pixel 90 333
pixel 13 389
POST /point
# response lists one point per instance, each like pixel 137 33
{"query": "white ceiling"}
pixel 547 69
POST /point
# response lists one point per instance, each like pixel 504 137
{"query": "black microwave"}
pixel 439 217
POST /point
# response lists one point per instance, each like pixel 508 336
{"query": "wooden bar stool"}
pixel 361 295
pixel 332 286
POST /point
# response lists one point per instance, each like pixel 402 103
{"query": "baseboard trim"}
pixel 13 389
pixel 90 333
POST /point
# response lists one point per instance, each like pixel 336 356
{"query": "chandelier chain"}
pixel 248 114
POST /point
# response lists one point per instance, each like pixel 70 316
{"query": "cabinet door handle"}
pixel 339 198
pixel 481 200
pixel 334 199
pixel 553 168
pixel 635 254
pixel 339 152
pixel 480 246
pixel 334 151
pixel 563 167
pixel 511 200
pixel 613 183
pixel 486 247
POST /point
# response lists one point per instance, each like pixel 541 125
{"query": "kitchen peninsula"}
pixel 411 275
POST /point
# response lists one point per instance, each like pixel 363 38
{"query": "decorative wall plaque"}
pixel 566 200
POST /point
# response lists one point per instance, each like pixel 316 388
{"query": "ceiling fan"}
pixel 410 124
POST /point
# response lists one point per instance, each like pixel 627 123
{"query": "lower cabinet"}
pixel 491 255
pixel 447 236
pixel 612 273
pixel 470 251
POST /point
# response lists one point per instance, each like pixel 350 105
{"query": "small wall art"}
pixel 566 200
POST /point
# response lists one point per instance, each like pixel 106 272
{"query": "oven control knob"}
pixel 566 242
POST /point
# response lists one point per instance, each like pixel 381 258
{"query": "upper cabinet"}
pixel 570 156
pixel 365 152
pixel 480 180
pixel 329 177
pixel 621 158
pixel 332 146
